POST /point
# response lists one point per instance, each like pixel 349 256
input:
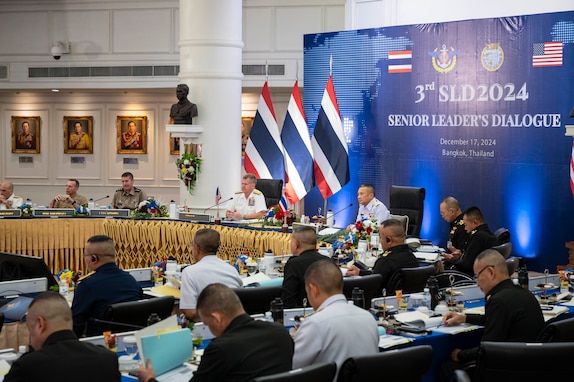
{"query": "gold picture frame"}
pixel 78 135
pixel 246 124
pixel 26 135
pixel 173 145
pixel 132 135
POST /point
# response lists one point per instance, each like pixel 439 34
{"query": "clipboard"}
pixel 166 344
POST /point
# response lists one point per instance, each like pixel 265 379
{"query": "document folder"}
pixel 168 350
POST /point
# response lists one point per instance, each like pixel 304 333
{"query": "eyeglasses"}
pixel 482 270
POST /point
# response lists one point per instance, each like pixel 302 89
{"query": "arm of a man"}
pixel 81 309
pixel 290 283
pixel 308 343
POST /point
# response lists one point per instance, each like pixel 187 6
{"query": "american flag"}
pixel 264 150
pixel 547 54
pixel 330 151
pixel 405 66
pixel 298 152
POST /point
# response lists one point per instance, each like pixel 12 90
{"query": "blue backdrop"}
pixel 462 109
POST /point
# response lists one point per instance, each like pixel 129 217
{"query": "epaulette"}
pixel 237 192
pixel 17 197
pixel 137 189
pixel 119 189
pixel 257 192
pixel 386 253
pixel 375 203
pixel 86 276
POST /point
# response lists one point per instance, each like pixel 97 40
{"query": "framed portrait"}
pixel 78 135
pixel 26 135
pixel 173 145
pixel 132 135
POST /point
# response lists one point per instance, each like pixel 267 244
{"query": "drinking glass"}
pixel 131 346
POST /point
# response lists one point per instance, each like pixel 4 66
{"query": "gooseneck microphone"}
pixel 216 204
pixel 102 198
pixel 342 209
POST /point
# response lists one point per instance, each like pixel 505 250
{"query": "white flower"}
pixel 186 162
pixel 143 203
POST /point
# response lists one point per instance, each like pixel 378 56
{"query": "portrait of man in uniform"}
pixel 78 135
pixel 26 135
pixel 132 135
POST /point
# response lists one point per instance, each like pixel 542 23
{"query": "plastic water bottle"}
pixel 427 298
pixel 63 288
pixel 21 350
pixel 523 275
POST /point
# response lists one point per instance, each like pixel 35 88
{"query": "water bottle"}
pixel 522 274
pixel 358 297
pixel 172 210
pixel 432 284
pixel 277 310
pixel 427 300
pixel 21 350
pixel 91 204
pixel 63 288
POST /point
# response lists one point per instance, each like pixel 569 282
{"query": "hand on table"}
pixel 352 271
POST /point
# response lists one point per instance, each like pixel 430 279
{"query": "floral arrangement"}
pixel 362 230
pixel 158 270
pixel 189 167
pixel 70 275
pixel 276 216
pixel 26 209
pixel 150 208
pixel 81 211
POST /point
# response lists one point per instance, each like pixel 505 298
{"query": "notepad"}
pixel 456 329
pixel 418 319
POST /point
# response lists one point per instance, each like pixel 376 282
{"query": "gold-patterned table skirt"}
pixel 139 243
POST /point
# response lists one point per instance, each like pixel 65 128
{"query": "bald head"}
pixel 303 239
pixel 494 258
pixel 326 276
pixel 219 298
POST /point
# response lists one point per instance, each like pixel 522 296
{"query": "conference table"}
pixel 139 243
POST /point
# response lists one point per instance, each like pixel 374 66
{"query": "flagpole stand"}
pixel 187 134
pixel 569 130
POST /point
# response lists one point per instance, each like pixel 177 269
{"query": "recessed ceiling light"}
pixel 55 90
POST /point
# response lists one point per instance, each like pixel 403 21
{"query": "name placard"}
pixel 114 213
pixel 53 212
pixel 12 213
pixel 194 217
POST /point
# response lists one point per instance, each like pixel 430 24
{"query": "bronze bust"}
pixel 183 111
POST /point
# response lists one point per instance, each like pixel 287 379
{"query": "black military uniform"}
pixel 128 200
pixel 394 258
pixel 478 240
pixel 457 235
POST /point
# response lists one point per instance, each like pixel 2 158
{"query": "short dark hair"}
pixel 326 275
pixel 75 181
pixel 252 178
pixel 306 235
pixel 207 240
pixel 220 298
pixel 474 213
pixel 128 174
pixel 100 239
pixel 369 186
pixel 396 227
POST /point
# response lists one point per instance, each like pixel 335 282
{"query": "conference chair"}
pixel 320 372
pixel 410 280
pixel 370 284
pixel 504 249
pixel 408 201
pixel 454 278
pixel 512 263
pixel 403 219
pixel 257 300
pixel 398 365
pixel 133 314
pixel 558 331
pixel 1 321
pixel 516 361
pixel 272 189
pixel 502 236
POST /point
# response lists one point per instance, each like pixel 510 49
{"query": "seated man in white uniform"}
pixel 248 203
pixel 337 330
pixel 207 269
pixel 369 206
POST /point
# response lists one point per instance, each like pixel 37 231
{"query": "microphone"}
pixel 105 197
pixel 216 204
pixel 98 321
pixel 342 209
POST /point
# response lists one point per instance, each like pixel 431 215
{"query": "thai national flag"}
pixel 331 155
pixel 283 204
pixel 298 152
pixel 572 170
pixel 264 151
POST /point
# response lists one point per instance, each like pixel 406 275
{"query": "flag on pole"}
pixel 331 155
pixel 264 151
pixel 217 195
pixel 283 203
pixel 297 147
pixel 572 170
